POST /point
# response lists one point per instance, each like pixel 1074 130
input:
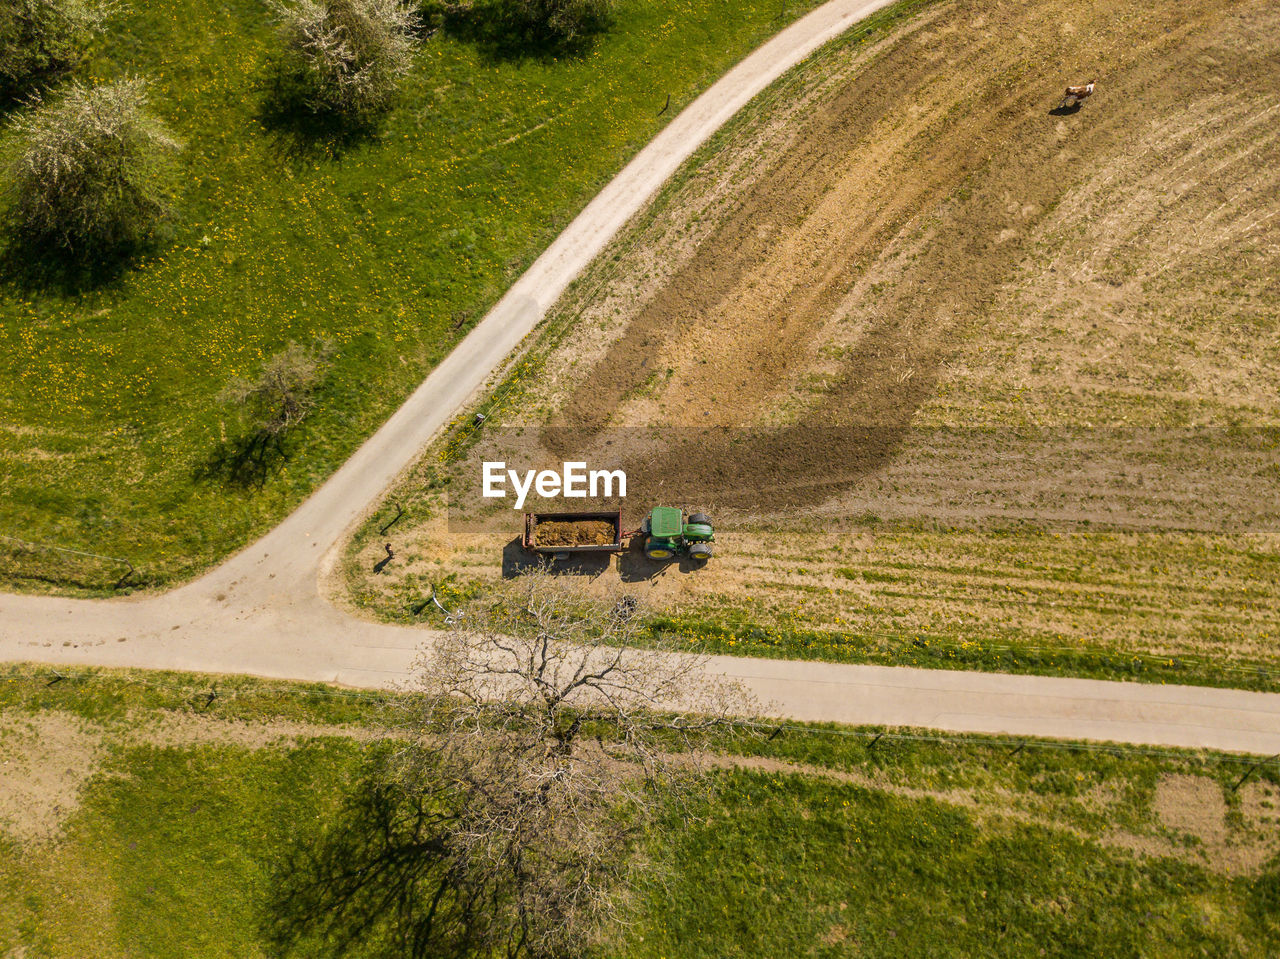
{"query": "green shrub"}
pixel 346 57
pixel 41 38
pixel 91 171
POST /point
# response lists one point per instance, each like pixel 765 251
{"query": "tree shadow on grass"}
pixel 15 94
pixel 301 132
pixel 501 37
pixel 11 101
pixel 32 265
pixel 246 462
pixel 376 880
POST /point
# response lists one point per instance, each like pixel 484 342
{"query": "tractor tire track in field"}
pixel 966 110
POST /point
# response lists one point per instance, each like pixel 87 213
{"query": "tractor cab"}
pixel 667 533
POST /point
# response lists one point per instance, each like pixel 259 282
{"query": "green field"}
pixel 830 845
pixel 790 866
pixel 391 248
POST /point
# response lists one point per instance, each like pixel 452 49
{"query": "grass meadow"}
pixel 391 247
pixel 814 843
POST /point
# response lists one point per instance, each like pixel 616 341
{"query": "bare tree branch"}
pixel 504 815
pixel 282 394
pixel 555 730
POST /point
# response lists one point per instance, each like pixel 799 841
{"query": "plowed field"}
pixel 909 214
pixel 943 359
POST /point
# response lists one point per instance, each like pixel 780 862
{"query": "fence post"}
pixel 1249 772
pixel 75 552
pixel 127 573
pixel 395 519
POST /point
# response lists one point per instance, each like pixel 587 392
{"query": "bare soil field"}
pixel 944 362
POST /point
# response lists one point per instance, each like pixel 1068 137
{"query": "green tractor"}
pixel 666 534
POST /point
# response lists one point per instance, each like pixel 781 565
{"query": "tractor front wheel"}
pixel 700 551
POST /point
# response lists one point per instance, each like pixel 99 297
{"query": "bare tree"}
pixel 271 405
pixel 91 172
pixel 540 743
pixel 43 38
pixel 283 392
pixel 348 56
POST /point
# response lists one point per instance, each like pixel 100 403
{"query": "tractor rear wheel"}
pixel 700 551
pixel 659 552
pixel 701 518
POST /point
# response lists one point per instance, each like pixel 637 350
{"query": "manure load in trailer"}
pixel 587 532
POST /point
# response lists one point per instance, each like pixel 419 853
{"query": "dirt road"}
pixel 310 640
pixel 262 613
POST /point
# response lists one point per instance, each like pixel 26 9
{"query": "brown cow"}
pixel 1075 95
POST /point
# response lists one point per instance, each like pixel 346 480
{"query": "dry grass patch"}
pixel 47 758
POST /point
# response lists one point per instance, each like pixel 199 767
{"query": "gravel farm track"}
pixel 262 611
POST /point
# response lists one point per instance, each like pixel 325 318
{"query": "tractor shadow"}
pixel 517 560
pixel 635 567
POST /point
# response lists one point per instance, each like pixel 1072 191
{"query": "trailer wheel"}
pixel 700 518
pixel 700 551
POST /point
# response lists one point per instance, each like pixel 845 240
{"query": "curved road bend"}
pixel 261 612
